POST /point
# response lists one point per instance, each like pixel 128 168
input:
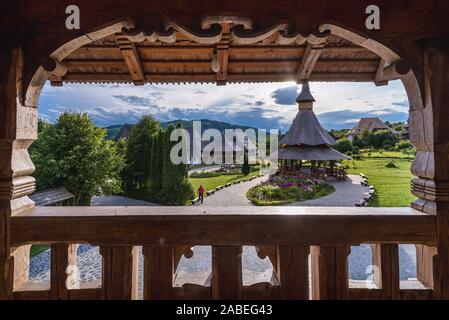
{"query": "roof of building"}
pixel 370 124
pixel 305 128
pixel 124 132
pixel 324 153
pixel 51 196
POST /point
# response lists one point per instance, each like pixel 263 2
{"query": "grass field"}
pixel 212 183
pixel 38 249
pixel 392 184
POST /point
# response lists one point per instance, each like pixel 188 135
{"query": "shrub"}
pixel 282 191
pixel 344 145
pixel 391 164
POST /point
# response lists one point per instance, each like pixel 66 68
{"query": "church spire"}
pixel 305 99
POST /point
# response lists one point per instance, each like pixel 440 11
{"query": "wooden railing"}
pixel 287 235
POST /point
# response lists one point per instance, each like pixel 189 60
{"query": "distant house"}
pixel 124 132
pixel 370 124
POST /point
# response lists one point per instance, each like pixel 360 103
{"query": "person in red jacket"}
pixel 200 194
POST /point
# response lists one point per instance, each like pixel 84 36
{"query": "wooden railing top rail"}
pixel 225 226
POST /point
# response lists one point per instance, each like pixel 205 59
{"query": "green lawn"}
pixel 38 248
pixel 212 183
pixel 392 184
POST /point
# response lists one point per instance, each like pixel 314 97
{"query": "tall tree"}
pixel 74 153
pixel 135 175
pixel 176 189
pixel 169 169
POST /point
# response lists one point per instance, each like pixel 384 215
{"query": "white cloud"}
pixel 120 103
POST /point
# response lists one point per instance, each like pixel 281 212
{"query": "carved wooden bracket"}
pixel 214 28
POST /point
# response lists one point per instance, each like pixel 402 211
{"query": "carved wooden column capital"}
pixel 430 134
pixel 18 129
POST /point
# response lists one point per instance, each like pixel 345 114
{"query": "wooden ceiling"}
pixel 177 55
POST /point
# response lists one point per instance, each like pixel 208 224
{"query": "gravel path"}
pixel 197 269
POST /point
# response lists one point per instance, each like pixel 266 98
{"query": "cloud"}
pixel 265 105
pixel 134 100
pixel 285 96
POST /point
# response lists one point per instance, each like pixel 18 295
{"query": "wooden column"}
pixel 386 269
pixel 63 272
pixel 119 280
pixel 293 272
pixel 18 129
pixel 227 281
pixel 330 272
pixel 159 264
pixel 429 133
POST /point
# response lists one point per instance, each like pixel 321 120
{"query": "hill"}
pixel 205 124
pixel 112 131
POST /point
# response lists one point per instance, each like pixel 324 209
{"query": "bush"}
pixel 279 192
pixel 344 145
pixel 391 164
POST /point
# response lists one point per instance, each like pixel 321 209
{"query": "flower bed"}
pixel 283 190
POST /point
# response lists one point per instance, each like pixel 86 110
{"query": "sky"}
pixel 261 105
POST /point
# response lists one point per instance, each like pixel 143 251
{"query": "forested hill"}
pixel 205 124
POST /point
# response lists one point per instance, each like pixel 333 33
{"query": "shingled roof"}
pixel 305 128
pixel 370 124
pixel 124 132
pixel 307 139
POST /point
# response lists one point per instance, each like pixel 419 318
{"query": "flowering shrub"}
pixel 282 190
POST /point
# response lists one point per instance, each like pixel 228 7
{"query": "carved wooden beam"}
pixel 223 56
pixel 308 62
pixel 393 71
pixel 129 53
pixel 56 69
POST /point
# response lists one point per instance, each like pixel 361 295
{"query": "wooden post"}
pixel 158 271
pixel 330 272
pixel 18 130
pixel 119 281
pixel 386 269
pixel 293 272
pixel 63 271
pixel 429 133
pixel 227 281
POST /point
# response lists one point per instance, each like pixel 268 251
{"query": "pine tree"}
pixel 176 189
pixel 135 175
pixel 169 170
pixel 156 166
pixel 245 167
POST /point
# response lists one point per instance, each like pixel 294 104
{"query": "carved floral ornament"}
pixel 240 30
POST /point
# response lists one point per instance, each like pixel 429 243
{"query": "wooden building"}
pixel 371 125
pixel 307 140
pixel 224 42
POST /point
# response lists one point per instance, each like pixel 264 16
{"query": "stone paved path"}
pixel 347 194
pixel 234 195
pixel 197 269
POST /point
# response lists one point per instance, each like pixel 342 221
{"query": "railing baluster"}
pixel 330 272
pixel 424 264
pixel 63 274
pixel 293 272
pixel 386 269
pixel 227 282
pixel 158 272
pixel 119 281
